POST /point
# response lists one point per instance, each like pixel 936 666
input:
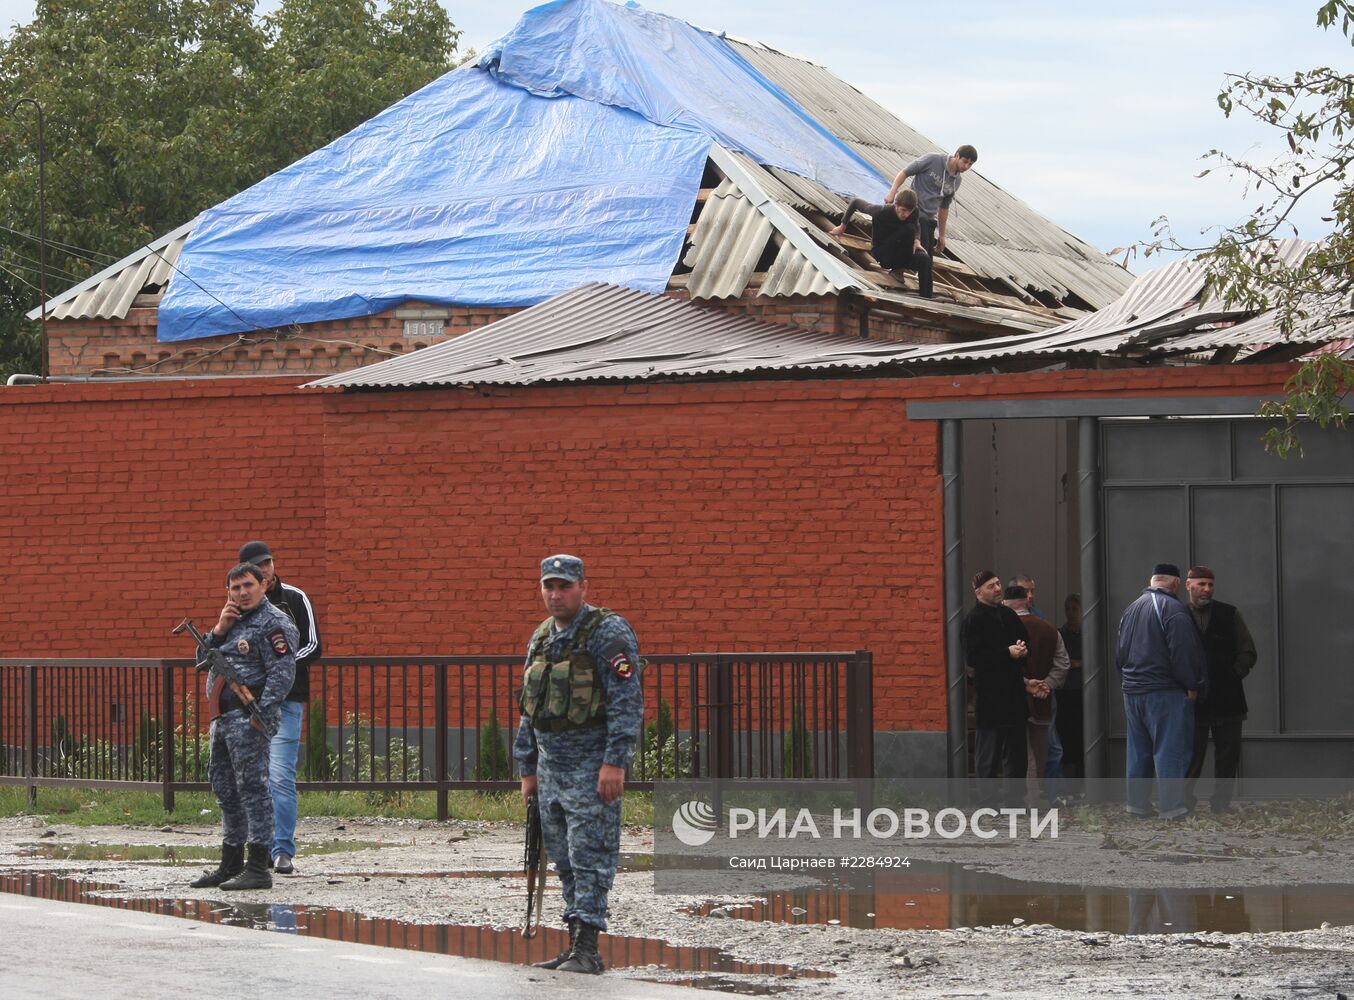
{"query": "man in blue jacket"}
pixel 1163 670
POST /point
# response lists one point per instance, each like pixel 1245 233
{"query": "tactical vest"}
pixel 566 693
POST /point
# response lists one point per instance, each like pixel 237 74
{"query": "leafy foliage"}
pixel 317 762
pixel 148 749
pixel 663 755
pixel 492 762
pixel 159 109
pixel 798 746
pixel 366 758
pixel 1311 112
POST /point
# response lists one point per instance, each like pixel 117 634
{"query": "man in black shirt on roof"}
pixel 895 236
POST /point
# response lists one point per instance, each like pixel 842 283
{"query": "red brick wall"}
pixel 128 346
pixel 124 505
pixel 785 516
pixel 723 516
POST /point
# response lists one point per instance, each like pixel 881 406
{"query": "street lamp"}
pixel 42 219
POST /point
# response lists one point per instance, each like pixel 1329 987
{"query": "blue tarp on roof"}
pixel 573 155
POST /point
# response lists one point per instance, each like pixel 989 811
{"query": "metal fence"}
pixel 432 723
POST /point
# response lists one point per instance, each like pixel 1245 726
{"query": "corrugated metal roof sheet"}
pixel 1164 312
pixel 992 231
pixel 601 332
pixel 730 237
pixel 110 293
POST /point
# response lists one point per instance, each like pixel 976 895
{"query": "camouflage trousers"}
pixel 582 836
pixel 239 774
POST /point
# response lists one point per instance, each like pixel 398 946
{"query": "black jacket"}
pixel 998 680
pixel 294 603
pixel 1230 652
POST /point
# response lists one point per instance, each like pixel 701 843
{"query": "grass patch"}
pixel 96 807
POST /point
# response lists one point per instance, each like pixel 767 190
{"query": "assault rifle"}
pixel 533 863
pixel 220 673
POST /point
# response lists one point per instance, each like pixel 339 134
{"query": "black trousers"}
pixel 999 752
pixel 1226 735
pixel 928 234
pixel 919 262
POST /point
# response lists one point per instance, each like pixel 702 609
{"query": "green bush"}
pixel 798 748
pixel 63 746
pixel 92 759
pixel 400 762
pixel 662 755
pixel 192 750
pixel 493 762
pixel 148 744
pixel 318 762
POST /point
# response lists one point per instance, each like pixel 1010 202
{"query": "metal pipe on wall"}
pixel 951 463
pixel 1095 683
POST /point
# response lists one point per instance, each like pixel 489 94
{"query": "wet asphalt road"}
pixel 52 950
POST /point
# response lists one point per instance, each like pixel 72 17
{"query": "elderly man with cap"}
pixel 582 706
pixel 1230 652
pixel 286 746
pixel 1162 668
pixel 995 646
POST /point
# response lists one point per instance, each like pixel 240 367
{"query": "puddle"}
pixel 178 854
pixel 495 944
pixel 942 896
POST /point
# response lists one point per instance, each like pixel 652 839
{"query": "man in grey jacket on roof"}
pixel 935 177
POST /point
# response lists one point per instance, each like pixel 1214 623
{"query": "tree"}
pixel 1312 115
pixel 159 109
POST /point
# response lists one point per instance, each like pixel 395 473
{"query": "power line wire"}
pixel 20 278
pixel 93 255
pixel 50 268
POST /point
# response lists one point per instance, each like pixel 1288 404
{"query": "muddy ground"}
pixel 399 869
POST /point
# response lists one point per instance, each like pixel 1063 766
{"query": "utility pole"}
pixel 42 221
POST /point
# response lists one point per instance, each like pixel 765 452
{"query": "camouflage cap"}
pixel 562 567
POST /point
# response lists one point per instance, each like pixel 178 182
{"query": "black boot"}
pixel 562 957
pixel 255 874
pixel 232 863
pixel 584 957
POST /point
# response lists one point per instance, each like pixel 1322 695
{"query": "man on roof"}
pixel 935 177
pixel 895 237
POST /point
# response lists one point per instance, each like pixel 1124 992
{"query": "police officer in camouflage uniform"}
pixel 259 641
pixel 582 706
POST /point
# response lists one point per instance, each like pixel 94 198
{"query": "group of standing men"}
pixel 1181 666
pixel 908 229
pixel 268 633
pixel 582 708
pixel 1017 660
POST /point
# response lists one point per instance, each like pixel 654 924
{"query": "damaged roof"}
pixel 763 229
pixel 604 333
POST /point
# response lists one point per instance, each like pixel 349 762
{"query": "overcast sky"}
pixel 1096 115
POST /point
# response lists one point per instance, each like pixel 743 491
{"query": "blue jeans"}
pixel 1160 742
pixel 1054 767
pixel 283 754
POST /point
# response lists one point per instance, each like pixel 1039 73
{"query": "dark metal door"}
pixel 1280 536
